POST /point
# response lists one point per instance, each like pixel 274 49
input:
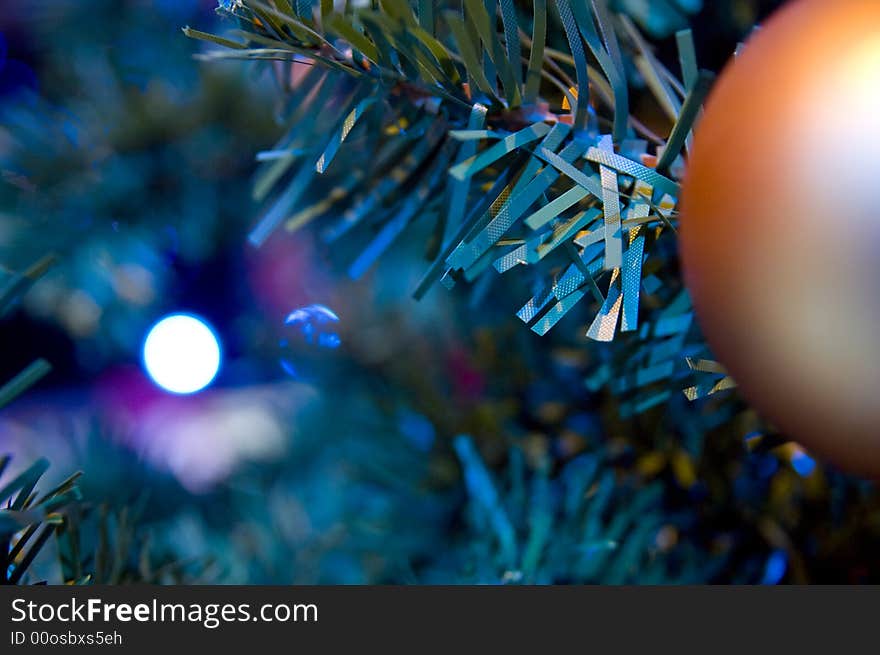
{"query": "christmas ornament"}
pixel 309 332
pixel 780 226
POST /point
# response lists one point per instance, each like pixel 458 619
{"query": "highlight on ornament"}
pixel 182 354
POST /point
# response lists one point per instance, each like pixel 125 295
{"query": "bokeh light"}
pixel 182 353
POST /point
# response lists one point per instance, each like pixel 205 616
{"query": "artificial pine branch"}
pixel 121 553
pixel 519 147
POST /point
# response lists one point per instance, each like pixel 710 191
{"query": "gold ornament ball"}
pixel 780 226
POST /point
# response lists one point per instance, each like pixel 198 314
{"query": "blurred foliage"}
pixel 120 164
pixel 584 525
pixel 660 18
pixel 29 520
pixel 108 546
pixel 116 550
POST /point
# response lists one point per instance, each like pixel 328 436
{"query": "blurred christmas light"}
pixel 418 429
pixel 201 444
pixel 308 332
pixel 802 463
pixel 775 567
pixel 182 353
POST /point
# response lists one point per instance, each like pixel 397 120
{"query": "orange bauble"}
pixel 780 226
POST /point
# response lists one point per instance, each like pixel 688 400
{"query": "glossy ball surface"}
pixel 780 226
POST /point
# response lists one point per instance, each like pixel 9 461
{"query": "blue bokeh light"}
pixel 803 464
pixel 181 353
pixel 418 429
pixel 775 568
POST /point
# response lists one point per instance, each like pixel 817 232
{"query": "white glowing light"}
pixel 181 353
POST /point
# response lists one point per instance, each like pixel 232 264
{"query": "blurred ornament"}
pixel 309 333
pixel 182 354
pixel 779 227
